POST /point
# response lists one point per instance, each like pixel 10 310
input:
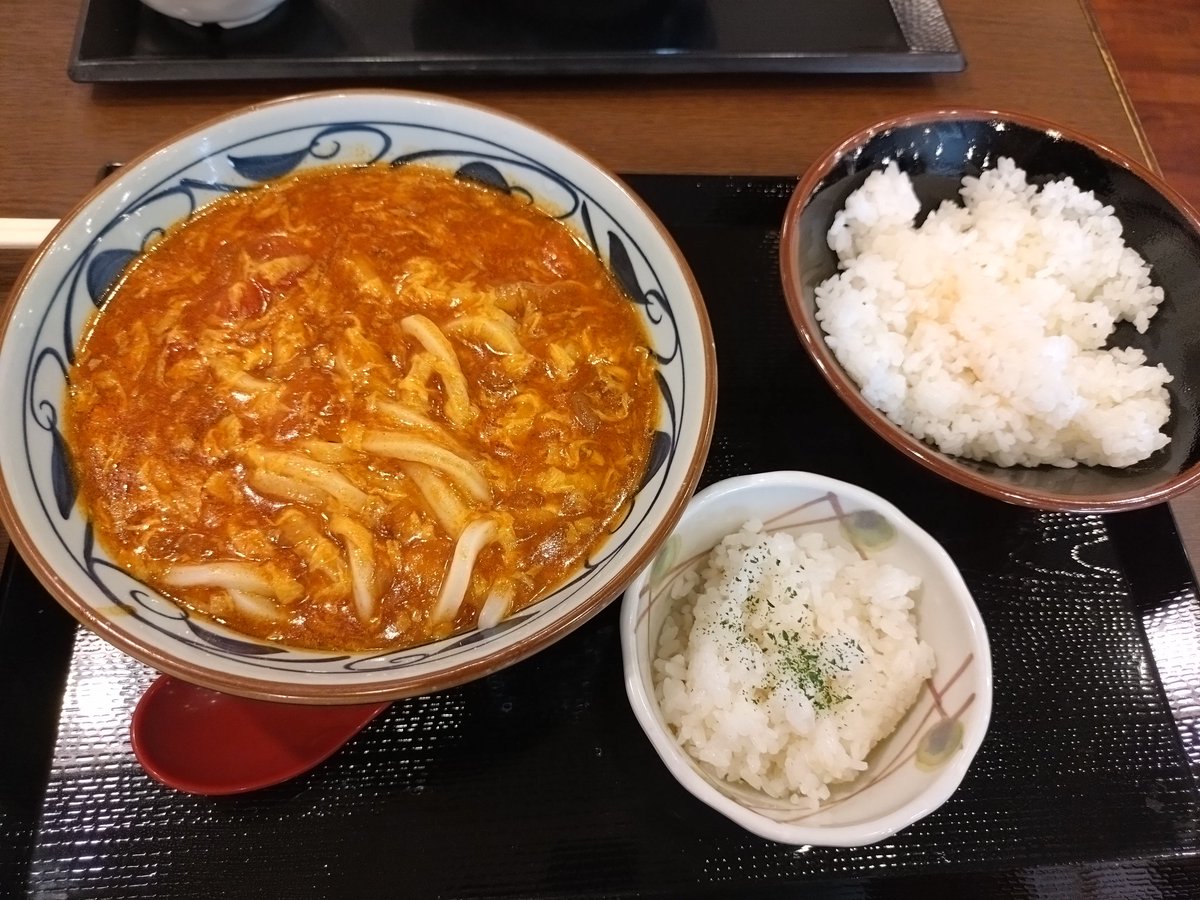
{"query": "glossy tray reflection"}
pixel 537 782
pixel 123 40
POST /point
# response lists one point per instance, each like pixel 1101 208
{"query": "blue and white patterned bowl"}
pixel 65 280
pixel 911 772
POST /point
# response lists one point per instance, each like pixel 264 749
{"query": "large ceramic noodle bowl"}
pixel 351 396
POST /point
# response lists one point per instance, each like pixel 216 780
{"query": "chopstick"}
pixel 24 234
pixel 28 234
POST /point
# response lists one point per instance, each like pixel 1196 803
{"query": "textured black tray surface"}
pixel 123 40
pixel 536 782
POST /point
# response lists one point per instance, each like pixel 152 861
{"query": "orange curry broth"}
pixel 272 321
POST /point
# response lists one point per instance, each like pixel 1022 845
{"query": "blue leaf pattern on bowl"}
pixel 585 217
pixel 660 452
pixel 45 415
pixel 268 166
pixel 622 267
pixel 103 270
pixel 485 174
pixel 265 166
pixel 236 646
pixel 65 490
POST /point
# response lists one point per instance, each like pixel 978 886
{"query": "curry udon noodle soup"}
pixel 361 407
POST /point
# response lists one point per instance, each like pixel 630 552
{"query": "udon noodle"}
pixel 361 407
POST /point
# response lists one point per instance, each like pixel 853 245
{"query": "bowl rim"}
pixel 393 686
pixel 926 454
pixel 675 759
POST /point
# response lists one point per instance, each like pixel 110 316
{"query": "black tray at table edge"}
pixel 1169 580
pixel 931 44
pixel 37 636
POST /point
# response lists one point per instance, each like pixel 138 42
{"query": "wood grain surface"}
pixel 1156 48
pixel 1036 56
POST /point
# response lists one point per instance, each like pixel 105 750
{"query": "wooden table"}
pixel 1038 56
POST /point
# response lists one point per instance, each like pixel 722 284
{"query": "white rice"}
pixel 984 330
pixel 785 660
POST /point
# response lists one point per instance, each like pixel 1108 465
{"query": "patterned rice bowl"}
pixel 67 279
pixel 920 765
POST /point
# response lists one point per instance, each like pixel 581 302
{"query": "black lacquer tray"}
pixel 536 782
pixel 124 40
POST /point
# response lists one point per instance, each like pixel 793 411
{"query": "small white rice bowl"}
pixel 785 756
pixel 985 330
pixel 786 659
